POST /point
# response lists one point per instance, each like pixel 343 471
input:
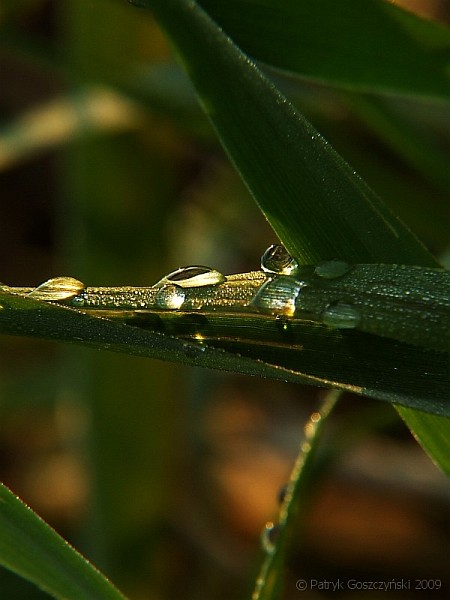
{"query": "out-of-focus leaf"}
pixel 32 549
pixel 366 46
pixel 60 121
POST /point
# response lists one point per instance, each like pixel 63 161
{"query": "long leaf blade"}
pixel 320 210
pixel 345 360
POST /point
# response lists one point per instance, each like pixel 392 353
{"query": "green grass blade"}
pixel 268 583
pixel 365 46
pixel 312 198
pixel 32 549
pixel 316 204
pixel 412 376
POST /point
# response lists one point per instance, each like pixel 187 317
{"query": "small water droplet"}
pixel 331 269
pixel 269 536
pixel 278 295
pixel 170 297
pixel 276 259
pixel 195 276
pixel 78 301
pixel 341 316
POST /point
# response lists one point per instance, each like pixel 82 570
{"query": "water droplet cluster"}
pixel 284 293
pixel 278 294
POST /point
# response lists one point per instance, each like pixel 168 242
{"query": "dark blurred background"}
pixel 164 476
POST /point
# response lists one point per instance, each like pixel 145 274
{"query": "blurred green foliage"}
pixel 110 173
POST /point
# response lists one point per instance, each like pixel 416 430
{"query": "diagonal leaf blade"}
pixel 300 183
pixel 341 45
pixel 316 204
pixel 32 549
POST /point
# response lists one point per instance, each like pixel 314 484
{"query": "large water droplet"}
pixel 278 295
pixel 57 289
pixel 276 259
pixel 170 297
pixel 331 269
pixel 341 316
pixel 195 276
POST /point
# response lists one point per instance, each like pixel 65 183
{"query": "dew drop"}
pixel 78 301
pixel 57 289
pixel 341 316
pixel 278 295
pixel 276 259
pixel 195 276
pixel 331 269
pixel 170 297
pixel 269 536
